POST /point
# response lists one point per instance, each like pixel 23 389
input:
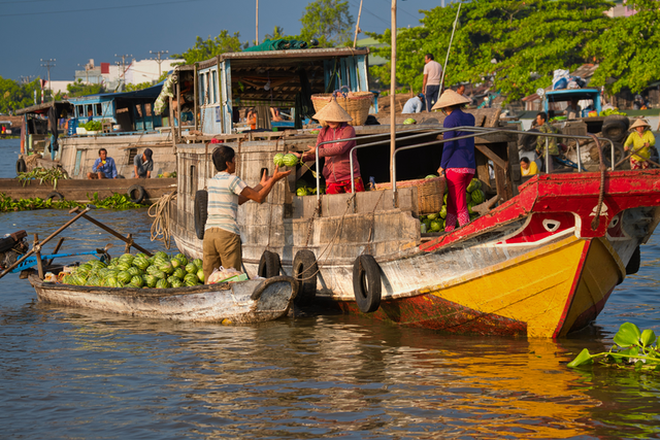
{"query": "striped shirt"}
pixel 224 189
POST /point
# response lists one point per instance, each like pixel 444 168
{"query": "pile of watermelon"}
pixel 160 271
pixel 436 222
pixel 286 160
pixel 305 189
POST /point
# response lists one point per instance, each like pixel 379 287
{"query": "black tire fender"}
pixel 615 127
pixel 201 212
pixel 136 193
pixel 55 196
pixel 269 265
pixel 528 141
pixel 367 283
pixel 305 270
pixel 20 166
pixel 634 263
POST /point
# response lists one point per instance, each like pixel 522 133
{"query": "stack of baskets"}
pixel 430 193
pixel 356 104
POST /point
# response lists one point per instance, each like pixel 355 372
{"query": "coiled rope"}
pixel 160 227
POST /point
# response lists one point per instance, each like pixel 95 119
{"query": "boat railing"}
pixel 474 132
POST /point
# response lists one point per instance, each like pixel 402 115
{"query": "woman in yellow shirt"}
pixel 640 142
pixel 528 168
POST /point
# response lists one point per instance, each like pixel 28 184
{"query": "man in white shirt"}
pixel 414 104
pixel 432 76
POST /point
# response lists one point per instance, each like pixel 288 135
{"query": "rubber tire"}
pixel 20 166
pixel 201 212
pixel 367 283
pixel 615 127
pixel 269 265
pixel 140 193
pixel 634 263
pixel 528 141
pixel 54 195
pixel 305 266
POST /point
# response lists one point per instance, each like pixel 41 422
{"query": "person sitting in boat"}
pixel 573 110
pixel 104 167
pixel 640 142
pixel 414 104
pixel 251 118
pixel 457 163
pixel 143 164
pixel 543 126
pixel 527 167
pixel 275 114
pixel 336 171
pixel 222 241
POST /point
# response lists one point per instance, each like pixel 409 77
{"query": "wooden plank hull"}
pixel 227 303
pixel 82 190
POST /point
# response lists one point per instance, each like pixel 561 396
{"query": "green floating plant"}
pixel 632 348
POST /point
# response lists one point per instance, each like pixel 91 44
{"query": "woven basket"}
pixel 356 104
pixel 430 193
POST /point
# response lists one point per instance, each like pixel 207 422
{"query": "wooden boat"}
pixel 241 302
pixel 533 266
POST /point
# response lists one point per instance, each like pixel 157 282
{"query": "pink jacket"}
pixel 337 165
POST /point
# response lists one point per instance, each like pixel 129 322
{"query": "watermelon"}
pixel 431 176
pixel 124 277
pixel 127 258
pixel 432 216
pixel 162 284
pixel 166 267
pixel 150 280
pixel 141 263
pixel 200 275
pixel 478 196
pixel 444 199
pixel 177 282
pixel 182 259
pixel 291 160
pixel 278 159
pixel 111 281
pixel 179 272
pixel 161 254
pixel 191 280
pixel 134 271
pixel 409 121
pixel 175 263
pixel 136 281
pixel 474 185
pixel 159 274
pixel 443 211
pixel 171 279
pixel 436 225
pixel 123 267
pixel 191 268
pixel 198 263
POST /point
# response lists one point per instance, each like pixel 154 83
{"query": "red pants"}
pixel 456 201
pixel 344 186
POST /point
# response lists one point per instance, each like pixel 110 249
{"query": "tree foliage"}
pixel 207 49
pixel 329 21
pixel 278 33
pixel 83 89
pixel 628 53
pixel 517 43
pixel 15 96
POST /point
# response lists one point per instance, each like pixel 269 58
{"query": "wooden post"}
pixel 392 95
pixel 129 241
pixel 37 253
pixel 357 25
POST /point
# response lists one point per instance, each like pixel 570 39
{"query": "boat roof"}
pixel 567 94
pixel 148 93
pixel 284 56
pixel 44 107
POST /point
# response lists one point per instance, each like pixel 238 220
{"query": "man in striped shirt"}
pixel 222 240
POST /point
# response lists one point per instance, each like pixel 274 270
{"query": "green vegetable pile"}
pixel 612 111
pixel 632 349
pixel 159 271
pixel 304 189
pixel 116 201
pixel 92 126
pixel 436 222
pixel 51 175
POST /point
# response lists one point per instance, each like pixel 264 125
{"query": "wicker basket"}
pixel 356 104
pixel 430 193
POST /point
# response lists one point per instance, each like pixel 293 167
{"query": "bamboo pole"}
pixel 357 25
pixel 393 95
pixel 451 40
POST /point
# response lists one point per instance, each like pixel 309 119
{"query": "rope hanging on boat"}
pixel 601 193
pixel 160 228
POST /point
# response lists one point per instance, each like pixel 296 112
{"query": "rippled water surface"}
pixel 78 374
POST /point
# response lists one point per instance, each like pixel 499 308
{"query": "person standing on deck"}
pixel 337 167
pixel 458 162
pixel 222 240
pixel 432 77
pixel 143 164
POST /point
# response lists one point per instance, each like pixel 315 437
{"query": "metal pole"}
pixel 357 25
pixel 48 66
pixel 451 40
pixel 256 40
pixel 392 94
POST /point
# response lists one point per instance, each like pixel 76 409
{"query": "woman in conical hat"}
pixel 337 170
pixel 640 142
pixel 457 162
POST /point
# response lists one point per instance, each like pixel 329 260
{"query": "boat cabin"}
pixel 42 125
pixel 116 112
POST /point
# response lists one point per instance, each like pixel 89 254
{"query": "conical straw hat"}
pixel 333 112
pixel 639 123
pixel 449 98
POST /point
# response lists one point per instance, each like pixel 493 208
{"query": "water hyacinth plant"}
pixel 632 348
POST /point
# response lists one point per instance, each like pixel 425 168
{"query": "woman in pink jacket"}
pixel 337 168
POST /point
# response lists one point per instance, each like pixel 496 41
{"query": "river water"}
pixel 77 374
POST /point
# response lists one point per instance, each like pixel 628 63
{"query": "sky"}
pixel 73 31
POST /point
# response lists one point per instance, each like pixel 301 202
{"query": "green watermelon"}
pixel 191 280
pixel 436 225
pixel 141 263
pixel 431 176
pixel 159 274
pixel 474 185
pixel 177 282
pixel 200 275
pixel 432 216
pixel 166 267
pixel 123 267
pixel 443 211
pixel 161 254
pixel 198 263
pixel 409 121
pixel 191 268
pixel 171 279
pixel 478 196
pixel 278 159
pixel 175 263
pixel 444 199
pixel 134 271
pixel 136 281
pixel 124 277
pixel 182 259
pixel 179 272
pixel 150 280
pixel 162 284
pixel 291 160
pixel 111 281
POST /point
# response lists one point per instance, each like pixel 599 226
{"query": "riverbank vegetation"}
pixel 116 201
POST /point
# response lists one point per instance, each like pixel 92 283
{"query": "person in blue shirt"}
pixel 414 104
pixel 104 167
pixel 457 162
